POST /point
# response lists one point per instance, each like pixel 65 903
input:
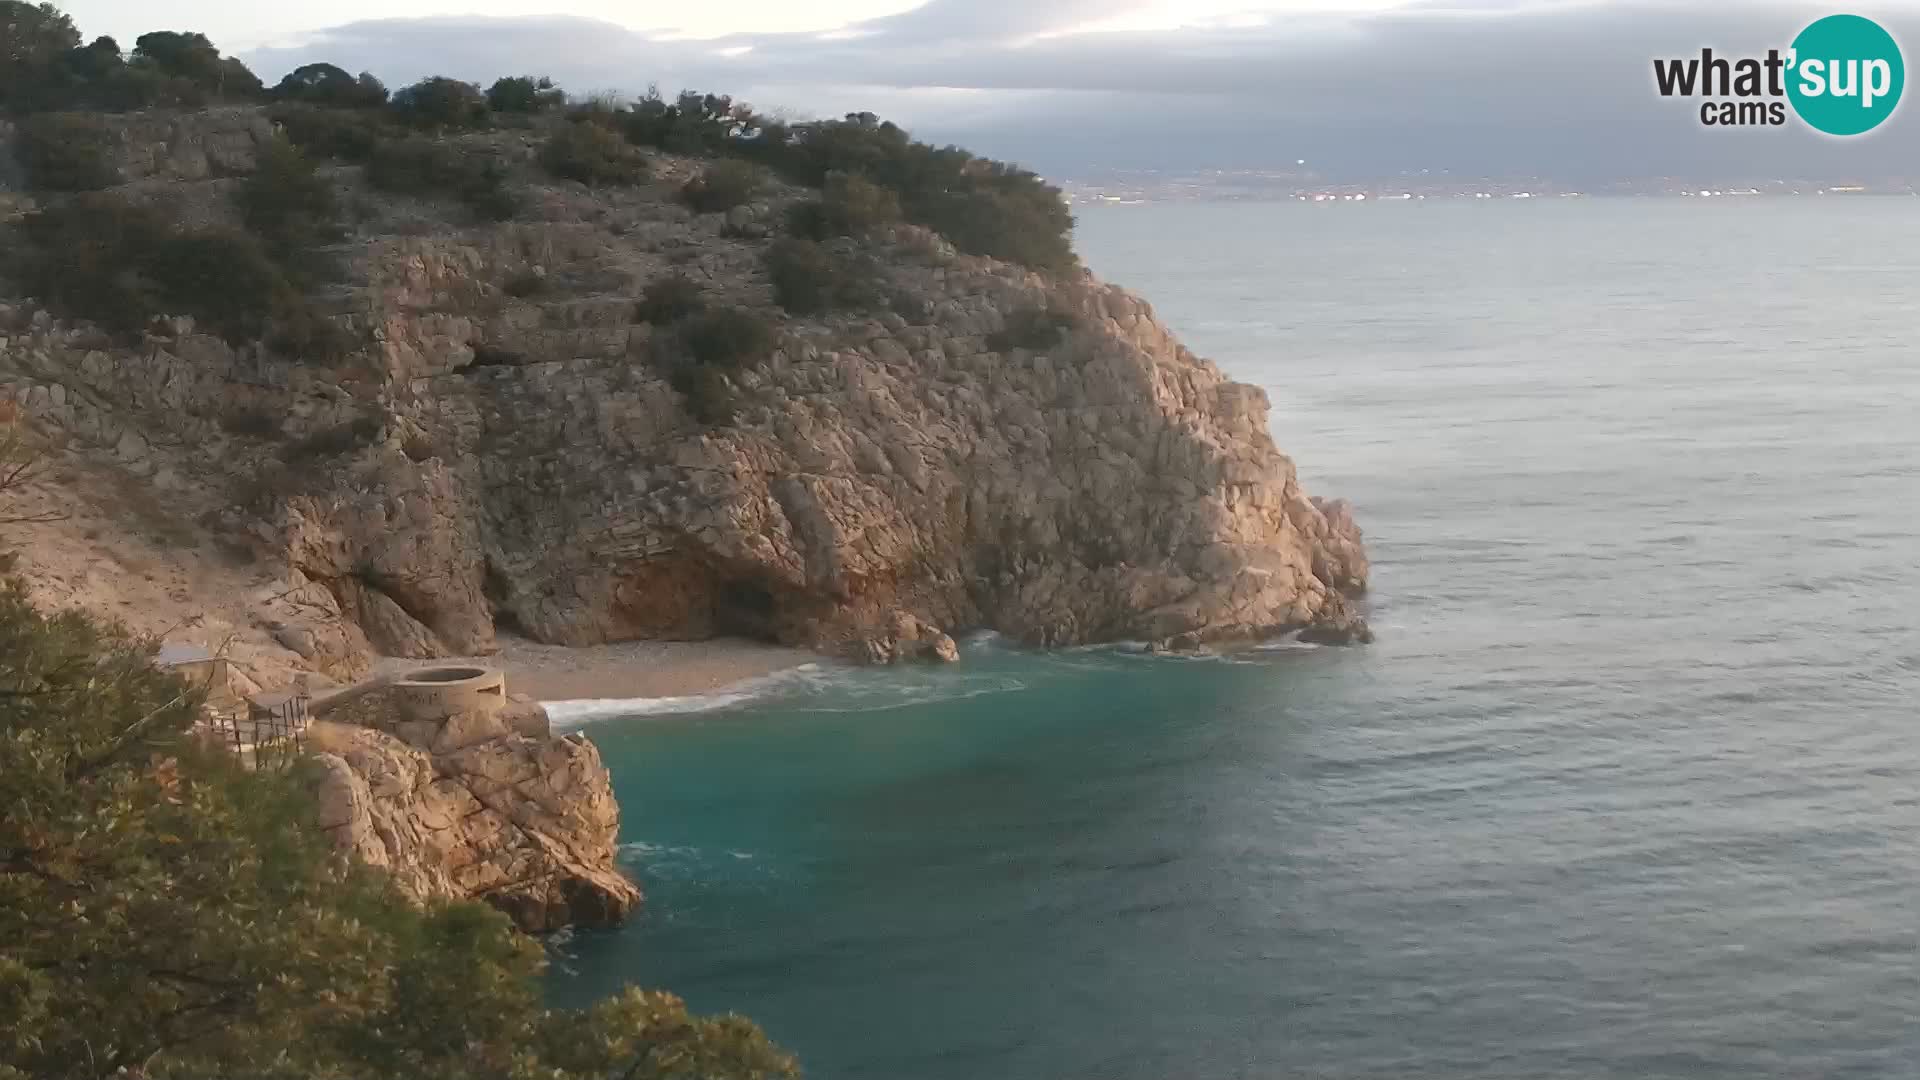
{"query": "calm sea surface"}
pixel 1630 786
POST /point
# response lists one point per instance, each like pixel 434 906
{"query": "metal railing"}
pixel 271 733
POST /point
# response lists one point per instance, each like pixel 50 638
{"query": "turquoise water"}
pixel 1630 786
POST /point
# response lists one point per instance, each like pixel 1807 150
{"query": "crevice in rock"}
pixel 498 591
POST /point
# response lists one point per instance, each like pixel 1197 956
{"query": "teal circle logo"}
pixel 1845 75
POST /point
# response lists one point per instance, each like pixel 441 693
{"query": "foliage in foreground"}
pixel 165 913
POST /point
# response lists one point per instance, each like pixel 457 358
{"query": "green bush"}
pixel 224 279
pixel 185 55
pixel 489 196
pixel 692 124
pixel 346 134
pixel 724 185
pixel 167 913
pixel 525 283
pixel 727 337
pixel 90 258
pixel 66 152
pixel 34 39
pixel 982 206
pixel 709 395
pixel 428 169
pixel 593 155
pixel 44 68
pixel 1032 327
pixel 290 206
pixel 440 102
pixel 809 279
pixel 668 299
pixel 99 258
pixel 849 205
pixel 524 94
pixel 329 86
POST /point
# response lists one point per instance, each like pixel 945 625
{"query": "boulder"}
pixel 473 810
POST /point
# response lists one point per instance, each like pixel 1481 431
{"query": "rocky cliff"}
pixel 502 451
pixel 471 808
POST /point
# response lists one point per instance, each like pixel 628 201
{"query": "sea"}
pixel 1628 787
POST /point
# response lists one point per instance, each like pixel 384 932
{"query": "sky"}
pixel 1360 89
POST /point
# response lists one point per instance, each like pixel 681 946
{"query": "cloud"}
pixel 1490 87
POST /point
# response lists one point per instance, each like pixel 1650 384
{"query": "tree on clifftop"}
pixel 33 39
pixel 325 84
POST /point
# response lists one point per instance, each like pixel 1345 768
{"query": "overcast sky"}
pixel 1359 88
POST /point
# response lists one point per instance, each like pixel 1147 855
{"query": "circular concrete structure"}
pixel 435 693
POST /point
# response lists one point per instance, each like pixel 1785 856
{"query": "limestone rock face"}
pixel 525 823
pixel 521 460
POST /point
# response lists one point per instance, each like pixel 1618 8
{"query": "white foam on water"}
pixel 1286 644
pixel 574 712
pixel 884 697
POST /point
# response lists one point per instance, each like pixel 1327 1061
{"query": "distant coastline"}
pixel 1122 190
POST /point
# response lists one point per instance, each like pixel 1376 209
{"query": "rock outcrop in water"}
pixel 472 809
pixel 502 452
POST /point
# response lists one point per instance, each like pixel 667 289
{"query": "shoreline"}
pixel 628 669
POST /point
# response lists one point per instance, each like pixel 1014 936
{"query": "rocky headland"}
pixel 476 803
pixel 486 427
pixel 501 452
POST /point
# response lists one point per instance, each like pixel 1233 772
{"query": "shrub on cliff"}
pixel 440 102
pixel 290 206
pixel 724 185
pixel 346 134
pixel 728 337
pixel 428 169
pixel 849 205
pixel 330 86
pixel 706 349
pixel 100 258
pixel 809 279
pixel 166 913
pixel 224 279
pixel 594 155
pixel 668 299
pixel 693 123
pixel 708 393
pixel 66 152
pixel 982 206
pixel 1032 327
pixel 524 94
